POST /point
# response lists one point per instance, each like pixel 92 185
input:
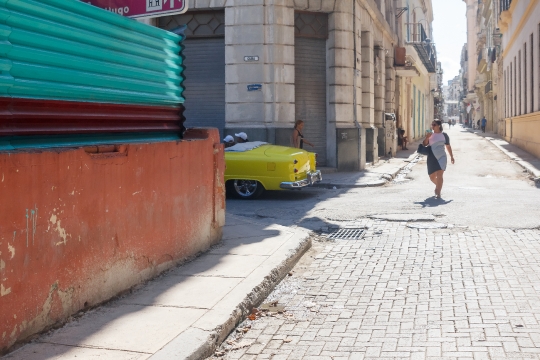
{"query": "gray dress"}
pixel 437 158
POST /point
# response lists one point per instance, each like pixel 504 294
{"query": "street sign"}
pixel 142 8
pixel 254 87
pixel 251 58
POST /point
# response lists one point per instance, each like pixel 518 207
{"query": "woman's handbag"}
pixel 422 149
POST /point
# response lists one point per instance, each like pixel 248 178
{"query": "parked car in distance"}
pixel 253 167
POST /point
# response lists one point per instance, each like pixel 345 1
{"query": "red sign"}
pixel 142 8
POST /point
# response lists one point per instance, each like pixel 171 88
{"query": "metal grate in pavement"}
pixel 347 234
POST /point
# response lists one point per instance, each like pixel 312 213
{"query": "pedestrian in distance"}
pixel 478 124
pixel 228 141
pixel 439 145
pixel 298 139
pixel 483 124
pixel 241 138
pixel 402 139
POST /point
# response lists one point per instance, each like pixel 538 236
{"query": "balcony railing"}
pixel 417 37
pixel 415 33
pixel 505 5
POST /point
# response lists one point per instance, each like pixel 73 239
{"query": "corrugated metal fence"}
pixel 67 67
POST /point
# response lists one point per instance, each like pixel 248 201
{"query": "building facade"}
pixel 501 69
pixel 452 96
pixel 258 66
pixel 519 23
pixel 416 67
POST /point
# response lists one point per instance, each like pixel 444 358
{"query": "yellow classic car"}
pixel 256 166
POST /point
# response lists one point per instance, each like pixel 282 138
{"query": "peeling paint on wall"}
pixel 4 291
pixel 61 231
pixel 180 219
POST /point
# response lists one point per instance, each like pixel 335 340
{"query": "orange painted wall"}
pixel 78 228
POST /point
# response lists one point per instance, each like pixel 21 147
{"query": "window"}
pixel 519 88
pixel 505 87
pixel 531 107
pixel 515 88
pixel 525 88
pixel 510 107
pixel 415 126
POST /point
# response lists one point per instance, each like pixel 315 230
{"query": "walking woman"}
pixel 297 137
pixel 439 143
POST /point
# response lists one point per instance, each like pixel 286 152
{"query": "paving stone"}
pixel 411 293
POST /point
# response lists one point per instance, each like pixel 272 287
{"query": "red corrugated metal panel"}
pixel 34 116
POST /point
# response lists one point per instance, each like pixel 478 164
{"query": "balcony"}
pixel 416 36
pixel 489 87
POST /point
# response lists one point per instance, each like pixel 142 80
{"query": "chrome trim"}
pixel 312 178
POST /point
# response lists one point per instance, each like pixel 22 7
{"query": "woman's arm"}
pixel 307 142
pixel 449 149
pixel 426 139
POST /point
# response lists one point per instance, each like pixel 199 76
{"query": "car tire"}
pixel 245 189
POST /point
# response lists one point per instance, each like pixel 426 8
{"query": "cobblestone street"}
pixel 469 289
pixel 400 292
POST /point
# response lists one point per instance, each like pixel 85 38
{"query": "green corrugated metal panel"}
pixel 10 144
pixel 70 50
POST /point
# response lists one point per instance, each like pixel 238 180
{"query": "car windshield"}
pixel 245 146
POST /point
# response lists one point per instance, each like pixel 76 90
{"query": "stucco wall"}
pixel 524 131
pixel 77 228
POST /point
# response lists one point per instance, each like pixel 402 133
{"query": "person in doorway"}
pixel 478 124
pixel 402 139
pixel 298 139
pixel 241 138
pixel 228 141
pixel 439 144
pixel 483 124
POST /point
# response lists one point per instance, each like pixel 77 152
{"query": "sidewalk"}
pixel 374 175
pixel 524 159
pixel 188 311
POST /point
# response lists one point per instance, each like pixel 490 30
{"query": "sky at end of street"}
pixel 449 34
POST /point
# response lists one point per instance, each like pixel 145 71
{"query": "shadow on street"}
pixel 433 202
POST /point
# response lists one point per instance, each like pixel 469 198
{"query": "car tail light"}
pixel 295 171
pixel 295 161
pixel 316 155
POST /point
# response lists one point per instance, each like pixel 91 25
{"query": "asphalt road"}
pixel 484 188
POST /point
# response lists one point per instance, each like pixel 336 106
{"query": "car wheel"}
pixel 246 189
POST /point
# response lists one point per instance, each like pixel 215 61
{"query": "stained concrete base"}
pixel 187 312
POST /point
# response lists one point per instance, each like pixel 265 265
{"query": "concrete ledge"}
pixel 202 339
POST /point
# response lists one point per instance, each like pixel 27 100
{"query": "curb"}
pixel 385 178
pixel 195 343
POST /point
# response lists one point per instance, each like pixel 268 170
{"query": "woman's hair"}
pixel 439 122
pixel 298 122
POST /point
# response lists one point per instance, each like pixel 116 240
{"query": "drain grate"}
pixel 347 234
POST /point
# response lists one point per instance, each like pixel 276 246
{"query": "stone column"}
pixel 380 96
pixel 343 125
pixel 368 95
pixel 266 31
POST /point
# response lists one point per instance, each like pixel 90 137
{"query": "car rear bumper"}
pixel 312 178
